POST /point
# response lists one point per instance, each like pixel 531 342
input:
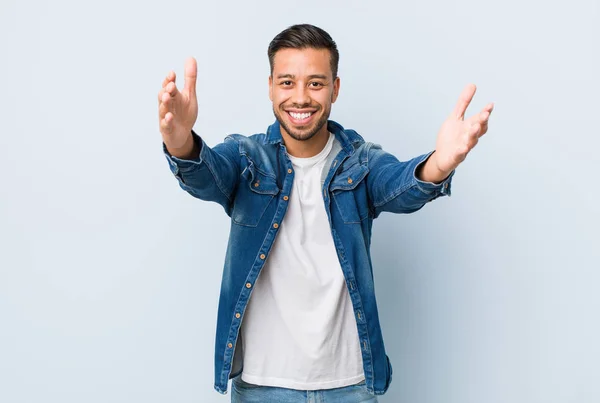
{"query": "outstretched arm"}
pixel 405 187
pixel 206 173
pixel 456 138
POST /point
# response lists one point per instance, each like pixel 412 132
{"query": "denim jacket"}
pixel 251 177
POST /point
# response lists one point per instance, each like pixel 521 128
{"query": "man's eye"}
pixel 286 83
pixel 316 84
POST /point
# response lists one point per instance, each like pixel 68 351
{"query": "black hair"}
pixel 302 36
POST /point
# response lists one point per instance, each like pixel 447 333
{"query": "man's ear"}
pixel 336 89
pixel 271 88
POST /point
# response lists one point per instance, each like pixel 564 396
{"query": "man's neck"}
pixel 306 148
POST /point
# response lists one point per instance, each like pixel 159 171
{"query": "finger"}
pixel 191 73
pixel 162 110
pixel 167 103
pixel 160 94
pixel 484 128
pixel 172 90
pixel 463 101
pixel 170 77
pixel 167 99
pixel 485 118
pixel 481 117
pixel 473 135
pixel 166 124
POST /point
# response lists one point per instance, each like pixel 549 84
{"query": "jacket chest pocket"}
pixel 349 192
pixel 255 192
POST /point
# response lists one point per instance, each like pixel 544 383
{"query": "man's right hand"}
pixel 178 111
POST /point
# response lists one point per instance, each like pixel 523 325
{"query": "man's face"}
pixel 302 90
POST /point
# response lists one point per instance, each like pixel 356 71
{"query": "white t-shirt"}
pixel 299 329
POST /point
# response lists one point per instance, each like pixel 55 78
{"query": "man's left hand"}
pixel 458 136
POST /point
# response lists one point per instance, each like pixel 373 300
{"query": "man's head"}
pixel 303 82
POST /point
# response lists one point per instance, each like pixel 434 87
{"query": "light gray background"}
pixel 110 274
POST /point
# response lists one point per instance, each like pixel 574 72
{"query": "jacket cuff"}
pixel 178 165
pixel 435 189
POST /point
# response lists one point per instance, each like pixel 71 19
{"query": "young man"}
pixel 302 198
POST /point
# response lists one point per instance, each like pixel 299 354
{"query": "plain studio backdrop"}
pixel 110 273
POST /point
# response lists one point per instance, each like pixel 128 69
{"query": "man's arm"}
pixel 395 186
pixel 204 172
pixel 404 187
pixel 189 151
pixel 210 173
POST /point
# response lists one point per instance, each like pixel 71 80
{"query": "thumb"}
pixel 191 72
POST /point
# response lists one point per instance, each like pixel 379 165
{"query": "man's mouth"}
pixel 300 118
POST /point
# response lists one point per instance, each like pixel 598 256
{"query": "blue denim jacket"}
pixel 251 177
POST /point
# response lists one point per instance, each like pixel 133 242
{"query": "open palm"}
pixel 178 110
pixel 458 136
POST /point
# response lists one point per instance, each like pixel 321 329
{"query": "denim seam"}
pixel 244 153
pixel 218 182
pixel 370 351
pixel 394 195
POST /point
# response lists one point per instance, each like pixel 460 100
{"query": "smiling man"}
pixel 297 318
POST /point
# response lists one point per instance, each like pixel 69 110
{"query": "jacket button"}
pixel 289 170
pixel 275 225
pixel 248 285
pixel 255 184
pixel 285 198
pixel 229 345
pixel 237 315
pixel 262 256
pixel 349 180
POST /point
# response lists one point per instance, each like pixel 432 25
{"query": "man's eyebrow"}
pixel 292 76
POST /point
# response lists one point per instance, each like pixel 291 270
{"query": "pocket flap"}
pixel 259 182
pixel 349 178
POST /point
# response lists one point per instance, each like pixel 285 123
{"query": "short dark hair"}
pixel 302 36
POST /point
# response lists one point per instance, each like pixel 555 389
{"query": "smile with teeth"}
pixel 300 117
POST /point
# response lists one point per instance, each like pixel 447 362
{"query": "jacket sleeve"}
pixel 393 185
pixel 213 175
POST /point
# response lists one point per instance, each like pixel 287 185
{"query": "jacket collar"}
pixel 346 137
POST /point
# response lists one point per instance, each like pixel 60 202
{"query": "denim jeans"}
pixel 243 392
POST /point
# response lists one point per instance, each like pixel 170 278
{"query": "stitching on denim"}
pixel 394 195
pixel 218 183
pixel 263 172
pixel 360 220
pixel 261 214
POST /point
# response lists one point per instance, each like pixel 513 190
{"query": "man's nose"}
pixel 301 96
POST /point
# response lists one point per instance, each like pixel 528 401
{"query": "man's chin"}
pixel 299 133
pixel 303 132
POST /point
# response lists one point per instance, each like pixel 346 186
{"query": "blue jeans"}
pixel 243 392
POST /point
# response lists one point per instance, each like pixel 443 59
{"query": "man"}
pixel 302 198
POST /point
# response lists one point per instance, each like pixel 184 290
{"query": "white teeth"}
pixel 300 115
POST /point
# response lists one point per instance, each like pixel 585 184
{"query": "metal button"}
pixel 255 184
pixel 285 198
pixel 349 180
pixel 229 345
pixel 263 256
pixel 289 170
pixel 237 315
pixel 248 285
pixel 275 225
